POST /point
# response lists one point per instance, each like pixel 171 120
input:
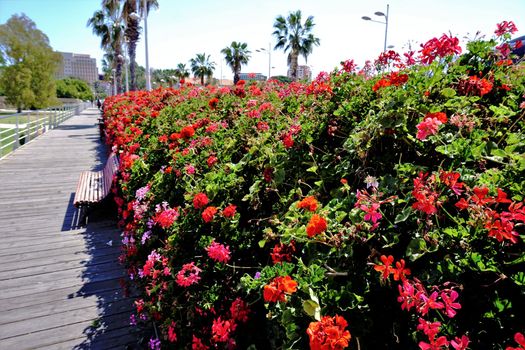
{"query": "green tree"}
pixel 181 72
pixel 74 88
pixel 30 63
pixel 236 55
pixel 202 67
pixel 107 24
pixel 295 37
pixel 132 32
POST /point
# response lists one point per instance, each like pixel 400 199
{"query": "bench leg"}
pixel 82 215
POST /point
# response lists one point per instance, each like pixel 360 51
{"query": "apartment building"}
pixel 79 66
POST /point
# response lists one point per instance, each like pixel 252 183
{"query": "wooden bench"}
pixel 94 186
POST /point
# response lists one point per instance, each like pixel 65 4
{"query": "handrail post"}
pixel 17 135
pixel 28 129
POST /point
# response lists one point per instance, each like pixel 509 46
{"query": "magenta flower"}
pixel 371 213
pixel 188 275
pixel 460 344
pixel 450 304
pixel 218 252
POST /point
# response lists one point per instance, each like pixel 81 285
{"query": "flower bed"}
pixel 369 211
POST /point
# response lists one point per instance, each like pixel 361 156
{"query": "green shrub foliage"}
pixel 371 209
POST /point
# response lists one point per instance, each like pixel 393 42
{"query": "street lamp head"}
pixel 366 18
pixel 379 13
pixel 134 16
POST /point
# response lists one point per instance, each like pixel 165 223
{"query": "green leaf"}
pixel 448 92
pixel 519 278
pixel 401 217
pixel 312 169
pixel 416 249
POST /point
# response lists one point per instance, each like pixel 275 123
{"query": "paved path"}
pixel 58 280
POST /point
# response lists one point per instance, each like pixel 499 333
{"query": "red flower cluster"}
pixel 166 218
pixel 188 275
pixel 219 252
pixel 209 213
pixel 349 66
pixel 221 330
pixel 505 27
pixel 200 200
pixel 474 86
pixel 501 225
pixel 239 310
pixel 213 103
pixel 283 252
pixel 329 334
pixel 442 47
pixel 393 79
pixel 187 132
pixel 309 203
pixel 316 225
pixel 387 57
pixel 520 339
pixel 278 287
pixel 229 211
pixel 211 161
pixel 399 271
pixel 425 195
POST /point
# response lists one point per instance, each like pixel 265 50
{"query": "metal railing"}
pixel 20 128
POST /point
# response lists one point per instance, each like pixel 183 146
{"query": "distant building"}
pixel 252 76
pixel 303 73
pixel 78 66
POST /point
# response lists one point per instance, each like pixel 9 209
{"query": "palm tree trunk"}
pixel 202 80
pixel 236 77
pixel 294 56
pixel 132 33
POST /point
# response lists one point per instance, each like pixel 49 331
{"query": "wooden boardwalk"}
pixel 59 283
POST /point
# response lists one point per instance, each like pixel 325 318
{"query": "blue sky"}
pixel 179 29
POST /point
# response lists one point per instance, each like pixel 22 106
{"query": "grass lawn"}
pixel 22 118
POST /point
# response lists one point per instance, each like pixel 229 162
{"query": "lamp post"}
pixel 148 77
pixel 269 51
pixel 380 14
pixel 114 81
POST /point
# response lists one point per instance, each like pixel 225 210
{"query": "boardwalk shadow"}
pixel 103 274
pixel 102 278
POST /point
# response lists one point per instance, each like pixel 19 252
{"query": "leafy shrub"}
pixel 74 88
pixel 379 209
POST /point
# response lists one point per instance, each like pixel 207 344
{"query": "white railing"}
pixel 20 128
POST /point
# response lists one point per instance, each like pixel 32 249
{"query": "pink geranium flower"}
pixel 188 275
pixel 218 252
pixel 429 126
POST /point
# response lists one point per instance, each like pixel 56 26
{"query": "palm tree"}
pixel 106 24
pixel 236 55
pixel 132 32
pixel 181 72
pixel 295 37
pixel 202 67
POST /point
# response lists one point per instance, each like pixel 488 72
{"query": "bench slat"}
pixel 94 186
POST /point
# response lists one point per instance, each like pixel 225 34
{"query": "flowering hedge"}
pixel 372 209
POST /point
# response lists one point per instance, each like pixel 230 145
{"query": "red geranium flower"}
pixel 329 333
pixel 187 132
pixel 200 200
pixel 309 203
pixel 229 211
pixel 213 103
pixel 316 226
pixel 208 214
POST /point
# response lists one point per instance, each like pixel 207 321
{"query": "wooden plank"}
pixel 55 278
